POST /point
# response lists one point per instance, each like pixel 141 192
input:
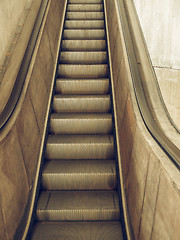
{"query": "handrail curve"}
pixel 20 79
pixel 138 76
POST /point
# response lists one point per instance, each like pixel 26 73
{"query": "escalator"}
pixel 79 196
pixel 90 173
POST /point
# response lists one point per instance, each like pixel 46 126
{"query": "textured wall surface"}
pixel 152 183
pixel 160 22
pixel 20 140
pixel 10 13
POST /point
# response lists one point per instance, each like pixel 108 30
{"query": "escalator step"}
pixel 84 24
pixel 84 16
pixel 83 45
pixel 85 7
pixel 82 86
pixel 77 231
pixel 80 123
pixel 83 71
pixel 92 57
pixel 80 147
pixel 78 206
pixel 79 175
pixel 82 103
pixel 84 34
pixel 85 1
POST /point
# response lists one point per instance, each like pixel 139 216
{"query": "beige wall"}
pixel 10 13
pixel 20 139
pixel 160 21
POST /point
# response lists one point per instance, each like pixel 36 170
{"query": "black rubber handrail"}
pixel 19 83
pixel 157 133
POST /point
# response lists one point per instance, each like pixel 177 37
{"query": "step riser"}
pixel 78 231
pixel 76 215
pixel 82 105
pixel 84 16
pixel 81 126
pixel 83 57
pixel 85 34
pixel 79 151
pixel 83 71
pixel 83 45
pixel 80 147
pixel 82 86
pixel 85 1
pixel 99 24
pixel 79 175
pixel 78 206
pixel 85 7
pixel 79 182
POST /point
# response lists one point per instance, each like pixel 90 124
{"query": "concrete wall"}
pixel 160 21
pixel 10 13
pixel 152 183
pixel 20 140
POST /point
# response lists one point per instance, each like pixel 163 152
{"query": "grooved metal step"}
pixel 85 1
pixel 84 24
pixel 84 16
pixel 80 147
pixel 82 86
pixel 83 45
pixel 79 175
pixel 80 123
pixel 78 206
pixel 82 103
pixel 83 57
pixel 84 34
pixel 83 71
pixel 85 7
pixel 77 231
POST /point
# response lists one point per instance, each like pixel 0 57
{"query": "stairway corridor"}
pixel 78 199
